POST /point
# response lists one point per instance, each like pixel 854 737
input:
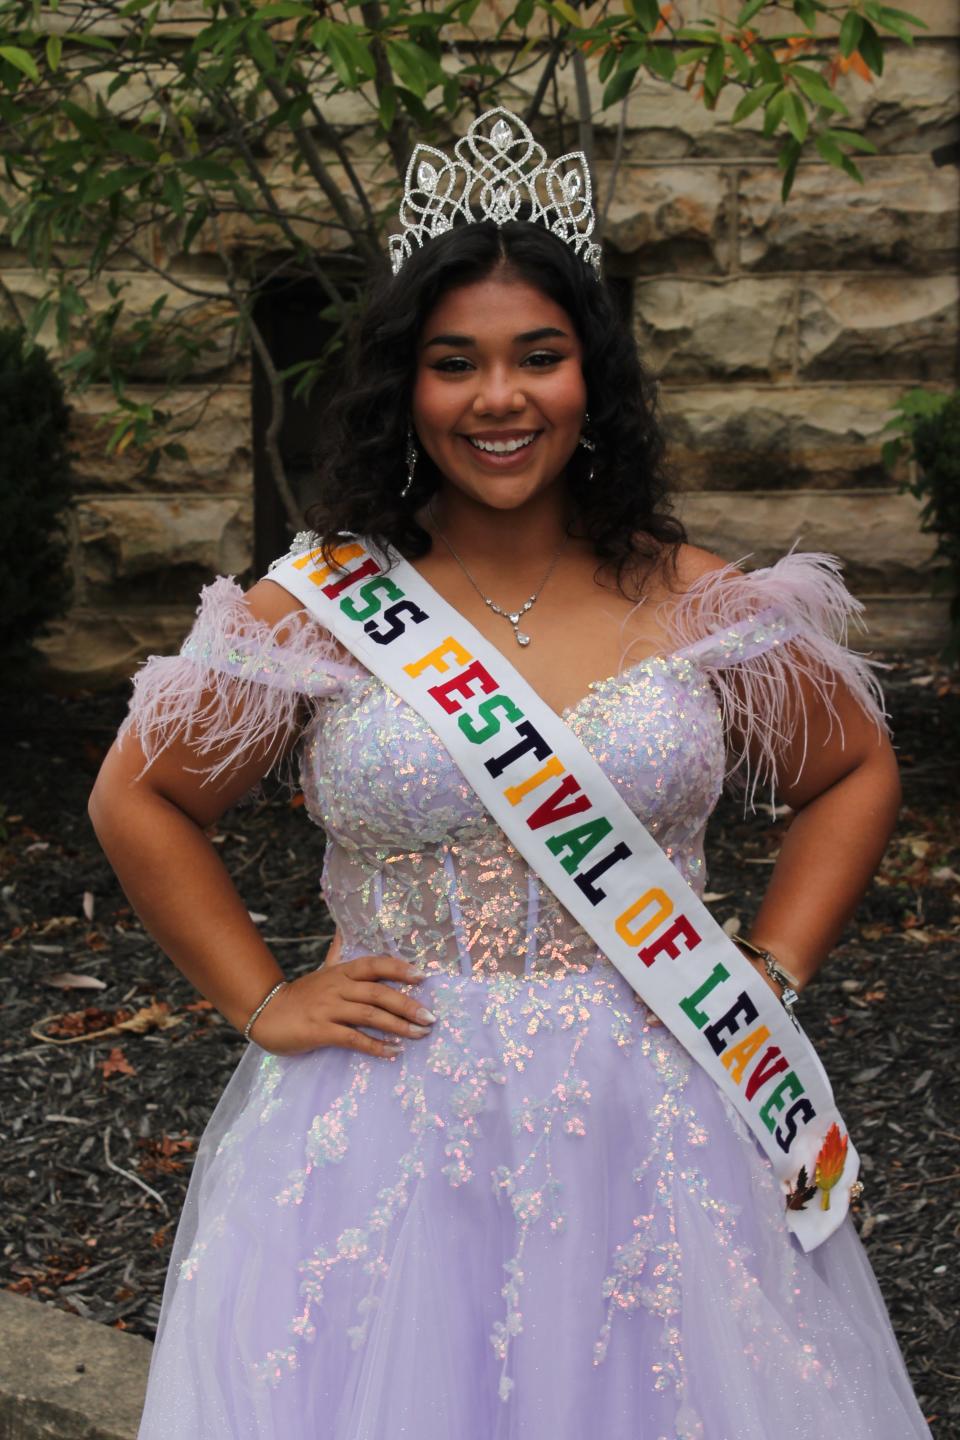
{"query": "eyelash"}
pixel 446 365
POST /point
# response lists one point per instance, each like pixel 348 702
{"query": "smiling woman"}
pixel 604 1186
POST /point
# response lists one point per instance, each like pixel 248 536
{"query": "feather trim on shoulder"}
pixel 759 635
pixel 237 683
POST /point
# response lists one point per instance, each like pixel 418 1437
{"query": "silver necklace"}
pixel 514 616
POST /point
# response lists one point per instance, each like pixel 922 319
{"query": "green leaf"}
pixel 829 150
pixel 523 14
pixel 748 11
pixel 714 72
pixel 129 142
pixel 788 159
pixel 850 137
pixel 415 69
pixel 203 168
pixel 850 32
pixel 886 13
pixel 871 48
pixel 648 14
pixel 21 60
pixel 82 121
pixel 607 61
pixel 817 90
pixel 752 101
pixel 620 85
pixel 794 113
pixel 767 67
pixel 739 60
pixel 194 225
pixel 261 48
pixel 103 186
pixel 388 106
pixel 806 13
pixel 566 12
pixel 661 61
pixel 774 112
pixel 361 56
pixel 54 48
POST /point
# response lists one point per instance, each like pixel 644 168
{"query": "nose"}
pixel 498 395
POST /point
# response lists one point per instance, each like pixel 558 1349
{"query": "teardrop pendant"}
pixel 522 639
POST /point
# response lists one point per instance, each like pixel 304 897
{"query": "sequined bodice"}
pixel 414 865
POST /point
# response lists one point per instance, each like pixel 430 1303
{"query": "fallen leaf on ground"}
pixel 116 1063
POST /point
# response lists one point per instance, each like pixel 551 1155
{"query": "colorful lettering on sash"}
pixel 653 925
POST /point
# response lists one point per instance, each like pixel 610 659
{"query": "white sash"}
pixel 569 823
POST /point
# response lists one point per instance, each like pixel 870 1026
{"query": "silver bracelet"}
pixel 786 981
pixel 265 1001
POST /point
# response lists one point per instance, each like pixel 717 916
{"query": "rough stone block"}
pixel 159 549
pixel 906 214
pixel 218 449
pixel 751 437
pixel 700 329
pixel 876 533
pixel 63 1378
pixel 668 217
pixel 101 647
pixel 889 326
pixel 913 106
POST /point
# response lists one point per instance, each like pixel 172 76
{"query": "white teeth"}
pixel 501 447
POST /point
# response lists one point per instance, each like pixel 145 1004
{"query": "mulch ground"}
pixel 111 1063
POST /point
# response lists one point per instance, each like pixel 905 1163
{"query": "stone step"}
pixel 63 1378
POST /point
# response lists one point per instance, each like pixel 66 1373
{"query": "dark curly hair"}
pixel 622 511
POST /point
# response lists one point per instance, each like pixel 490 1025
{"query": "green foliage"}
pixel 142 138
pixel 927 429
pixel 34 494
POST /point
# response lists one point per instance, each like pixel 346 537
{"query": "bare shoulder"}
pixel 270 602
pixel 687 565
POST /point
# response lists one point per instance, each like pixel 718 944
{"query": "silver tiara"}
pixel 498 172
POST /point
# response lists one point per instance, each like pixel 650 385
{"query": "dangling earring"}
pixel 413 456
pixel 590 445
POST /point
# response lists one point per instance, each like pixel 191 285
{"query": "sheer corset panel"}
pixel 413 866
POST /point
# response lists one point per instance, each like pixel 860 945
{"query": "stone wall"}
pixel 782 336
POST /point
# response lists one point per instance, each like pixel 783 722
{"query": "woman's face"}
pixel 499 396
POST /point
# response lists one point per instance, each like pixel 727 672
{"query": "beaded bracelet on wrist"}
pixel 263 1003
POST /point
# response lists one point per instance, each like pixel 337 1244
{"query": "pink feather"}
pixel 237 682
pixel 758 636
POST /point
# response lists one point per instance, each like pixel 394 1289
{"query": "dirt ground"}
pixel 99 1133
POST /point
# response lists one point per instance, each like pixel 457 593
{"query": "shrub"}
pixel 34 494
pixel 928 426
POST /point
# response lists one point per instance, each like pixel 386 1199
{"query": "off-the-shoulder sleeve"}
pixel 236 682
pixel 774 643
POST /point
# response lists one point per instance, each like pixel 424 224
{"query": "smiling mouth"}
pixel 502 447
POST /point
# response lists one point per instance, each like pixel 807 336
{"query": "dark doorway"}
pixel 291 319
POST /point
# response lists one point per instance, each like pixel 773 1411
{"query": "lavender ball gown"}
pixel 542 1221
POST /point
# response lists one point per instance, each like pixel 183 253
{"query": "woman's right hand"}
pixel 325 1007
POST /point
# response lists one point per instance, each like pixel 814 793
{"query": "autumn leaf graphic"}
pixel 830 1162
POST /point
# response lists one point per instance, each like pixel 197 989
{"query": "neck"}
pixel 530 532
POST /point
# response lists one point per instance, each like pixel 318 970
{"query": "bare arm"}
pixel 846 797
pixel 151 827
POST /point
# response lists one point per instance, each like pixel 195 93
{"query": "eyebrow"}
pixel 548 332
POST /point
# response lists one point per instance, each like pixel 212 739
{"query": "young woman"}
pixel 463 1182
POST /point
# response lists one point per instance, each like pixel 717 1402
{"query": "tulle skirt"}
pixel 541 1222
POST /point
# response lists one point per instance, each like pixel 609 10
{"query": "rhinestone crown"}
pixel 499 171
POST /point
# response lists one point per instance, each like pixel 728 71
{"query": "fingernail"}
pixel 414 974
pixel 418 1030
pixel 427 1016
